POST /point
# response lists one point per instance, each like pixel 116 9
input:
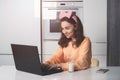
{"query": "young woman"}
pixel 73 45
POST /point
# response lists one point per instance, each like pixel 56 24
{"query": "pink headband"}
pixel 67 14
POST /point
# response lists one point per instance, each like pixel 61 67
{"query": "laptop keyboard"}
pixel 47 68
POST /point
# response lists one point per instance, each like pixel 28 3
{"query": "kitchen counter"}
pixel 10 73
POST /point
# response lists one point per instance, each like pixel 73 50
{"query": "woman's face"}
pixel 67 29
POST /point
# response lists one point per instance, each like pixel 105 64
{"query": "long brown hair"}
pixel 78 33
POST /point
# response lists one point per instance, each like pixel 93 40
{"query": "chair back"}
pixel 94 62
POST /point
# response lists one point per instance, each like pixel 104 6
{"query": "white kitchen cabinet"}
pixel 95 20
pixel 95 27
pixel 99 49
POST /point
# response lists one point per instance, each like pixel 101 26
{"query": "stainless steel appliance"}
pixel 51 10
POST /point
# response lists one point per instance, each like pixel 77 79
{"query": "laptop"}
pixel 26 59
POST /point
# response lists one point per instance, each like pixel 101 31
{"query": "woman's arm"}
pixel 56 58
pixel 84 58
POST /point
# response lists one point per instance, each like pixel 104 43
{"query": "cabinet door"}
pixel 95 20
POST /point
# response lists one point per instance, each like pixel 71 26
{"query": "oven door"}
pixel 51 24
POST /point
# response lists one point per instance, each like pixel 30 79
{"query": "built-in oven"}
pixel 51 10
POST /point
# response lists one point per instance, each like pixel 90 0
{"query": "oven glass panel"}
pixel 54 26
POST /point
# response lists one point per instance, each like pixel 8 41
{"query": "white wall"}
pixel 20 24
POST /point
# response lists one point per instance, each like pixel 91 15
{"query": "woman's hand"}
pixel 55 66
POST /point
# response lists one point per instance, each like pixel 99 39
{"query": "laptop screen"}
pixel 26 58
